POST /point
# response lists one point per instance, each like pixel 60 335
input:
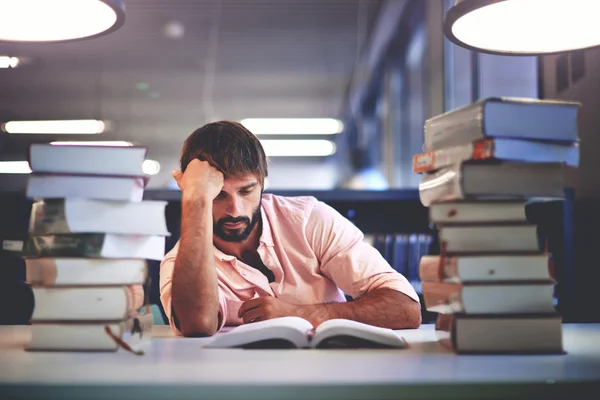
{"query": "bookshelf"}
pixel 384 216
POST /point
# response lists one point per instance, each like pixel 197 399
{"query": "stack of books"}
pixel 493 282
pixel 90 235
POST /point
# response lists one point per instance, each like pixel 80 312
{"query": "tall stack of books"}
pixel 493 284
pixel 90 235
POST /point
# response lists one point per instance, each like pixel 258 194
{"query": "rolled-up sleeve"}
pixel 355 266
pixel 166 280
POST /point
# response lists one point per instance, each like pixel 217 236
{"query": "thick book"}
pixel 502 149
pixel 46 271
pixel 510 334
pixel 114 188
pixel 133 334
pixel 492 180
pixel 92 160
pixel 489 298
pixel 99 303
pixel 59 216
pixel 95 245
pixel 476 212
pixel 522 118
pixel 478 239
pixel 295 332
pixel 486 268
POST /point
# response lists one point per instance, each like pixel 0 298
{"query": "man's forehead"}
pixel 241 180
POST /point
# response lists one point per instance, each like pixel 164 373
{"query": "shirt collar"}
pixel 266 236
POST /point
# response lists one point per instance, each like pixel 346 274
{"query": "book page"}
pixel 344 333
pixel 265 334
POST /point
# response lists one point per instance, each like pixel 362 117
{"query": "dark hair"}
pixel 229 147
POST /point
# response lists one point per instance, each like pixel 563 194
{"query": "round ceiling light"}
pixel 58 20
pixel 523 27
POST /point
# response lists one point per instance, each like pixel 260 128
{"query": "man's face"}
pixel 236 210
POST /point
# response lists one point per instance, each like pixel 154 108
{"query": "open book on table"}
pixel 295 332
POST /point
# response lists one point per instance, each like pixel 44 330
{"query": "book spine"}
pixel 48 218
pixel 433 160
pixel 444 185
pixel 459 126
pixel 73 245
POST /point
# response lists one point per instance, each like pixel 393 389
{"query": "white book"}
pixel 136 332
pixel 99 303
pixel 510 334
pixel 486 268
pixel 488 181
pixel 489 298
pixel 506 117
pixel 505 149
pixel 460 239
pixel 94 160
pixel 463 212
pixel 115 188
pixel 47 271
pixel 86 216
pixel 95 245
pixel 295 332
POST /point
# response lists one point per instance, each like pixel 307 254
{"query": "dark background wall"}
pixel 576 76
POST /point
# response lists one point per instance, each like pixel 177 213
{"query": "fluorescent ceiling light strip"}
pixel 293 126
pixel 14 167
pixel 56 127
pixel 298 148
pixel 119 143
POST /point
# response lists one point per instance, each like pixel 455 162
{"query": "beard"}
pixel 239 234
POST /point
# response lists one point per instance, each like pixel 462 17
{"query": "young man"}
pixel 244 256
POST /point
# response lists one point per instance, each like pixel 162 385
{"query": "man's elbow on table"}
pixel 199 327
pixel 413 313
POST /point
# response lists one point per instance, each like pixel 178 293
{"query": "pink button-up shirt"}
pixel 315 253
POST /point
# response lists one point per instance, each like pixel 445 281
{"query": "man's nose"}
pixel 233 207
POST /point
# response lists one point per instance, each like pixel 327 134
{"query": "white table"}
pixel 177 367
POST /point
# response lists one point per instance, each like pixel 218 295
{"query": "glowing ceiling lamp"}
pixel 58 20
pixel 523 27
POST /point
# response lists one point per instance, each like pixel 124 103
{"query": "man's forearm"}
pixel 381 307
pixel 194 293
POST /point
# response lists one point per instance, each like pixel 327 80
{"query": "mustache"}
pixel 232 220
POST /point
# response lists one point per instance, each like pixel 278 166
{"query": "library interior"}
pixel 263 199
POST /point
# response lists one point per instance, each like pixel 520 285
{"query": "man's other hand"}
pixel 264 308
